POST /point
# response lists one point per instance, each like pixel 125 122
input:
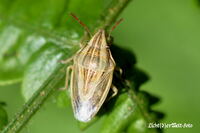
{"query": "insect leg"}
pixel 119 70
pixel 67 77
pixel 115 91
pixel 67 60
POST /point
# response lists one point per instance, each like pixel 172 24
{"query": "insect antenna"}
pixel 114 26
pixel 81 23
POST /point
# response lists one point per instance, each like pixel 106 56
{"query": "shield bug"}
pixel 91 75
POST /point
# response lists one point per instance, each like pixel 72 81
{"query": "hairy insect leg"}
pixel 67 77
pixel 115 91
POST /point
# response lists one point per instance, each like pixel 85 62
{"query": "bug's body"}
pixel 91 77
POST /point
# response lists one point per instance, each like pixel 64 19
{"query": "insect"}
pixel 91 75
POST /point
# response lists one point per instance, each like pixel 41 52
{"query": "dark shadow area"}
pixel 2 104
pixel 126 60
pixel 198 2
pixel 152 99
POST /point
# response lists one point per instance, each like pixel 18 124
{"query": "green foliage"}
pixel 38 71
pixel 37 34
pixel 3 116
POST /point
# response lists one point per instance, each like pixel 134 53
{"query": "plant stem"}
pixel 35 102
pixel 110 15
pixel 142 109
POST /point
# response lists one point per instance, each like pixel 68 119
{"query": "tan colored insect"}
pixel 91 76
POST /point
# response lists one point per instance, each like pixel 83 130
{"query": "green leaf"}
pixel 10 66
pixel 138 126
pixel 37 40
pixel 63 99
pixel 11 71
pixel 45 64
pixel 38 71
pixel 25 30
pixel 35 102
pixel 83 125
pixel 3 116
pixel 120 116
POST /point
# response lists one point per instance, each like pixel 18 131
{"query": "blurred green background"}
pixel 165 37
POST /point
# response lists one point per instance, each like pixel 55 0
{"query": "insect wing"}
pixel 89 90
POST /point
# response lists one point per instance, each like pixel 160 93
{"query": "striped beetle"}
pixel 91 75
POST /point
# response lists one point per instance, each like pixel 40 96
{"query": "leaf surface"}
pixel 3 116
